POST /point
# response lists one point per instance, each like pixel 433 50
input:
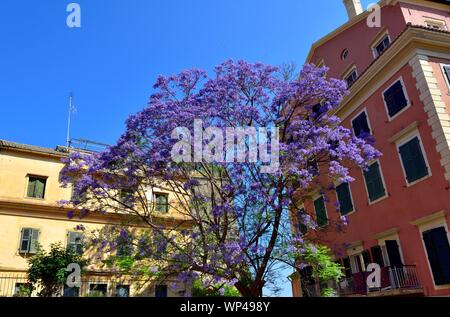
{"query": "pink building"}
pixel 399 79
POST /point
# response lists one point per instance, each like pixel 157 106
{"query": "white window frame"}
pixel 27 182
pixel 408 101
pixel 378 41
pixel 367 117
pixel 351 197
pixel 447 80
pixel 440 222
pixel 405 139
pixel 383 181
pixel 326 211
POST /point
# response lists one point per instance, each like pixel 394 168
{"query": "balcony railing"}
pixel 396 278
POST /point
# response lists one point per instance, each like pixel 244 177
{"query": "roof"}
pixel 361 17
pixel 59 151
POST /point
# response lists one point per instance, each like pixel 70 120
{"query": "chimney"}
pixel 353 7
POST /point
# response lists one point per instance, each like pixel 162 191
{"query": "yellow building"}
pixel 29 213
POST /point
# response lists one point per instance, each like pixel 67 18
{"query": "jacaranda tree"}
pixel 230 213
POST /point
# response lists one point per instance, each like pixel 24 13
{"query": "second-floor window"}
pixel 374 182
pixel 162 202
pixel 413 160
pixel 29 238
pixel 321 212
pixel 382 46
pixel 75 242
pixel 360 125
pixel 344 198
pixel 36 187
pixel 395 98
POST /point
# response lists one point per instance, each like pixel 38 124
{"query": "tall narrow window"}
pixel 360 125
pixel 344 198
pixel 29 241
pixel 393 251
pixel 321 212
pixel 438 251
pixel 374 182
pixel 395 98
pixel 36 187
pixel 162 203
pixel 377 255
pixel 413 160
pixel 302 228
pixel 75 242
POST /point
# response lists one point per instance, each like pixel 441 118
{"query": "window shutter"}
pixel 34 240
pixel 345 199
pixel 377 255
pixel 302 228
pixel 374 182
pixel 413 160
pixel 360 124
pixel 25 240
pixel 40 188
pixel 31 187
pixel 321 214
pixel 438 250
pixel 393 253
pixel 395 99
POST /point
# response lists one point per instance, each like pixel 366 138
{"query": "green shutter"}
pixel 31 187
pixel 40 188
pixel 34 243
pixel 413 160
pixel 344 198
pixel 321 213
pixel 374 182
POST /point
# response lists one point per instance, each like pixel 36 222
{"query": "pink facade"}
pixel 409 212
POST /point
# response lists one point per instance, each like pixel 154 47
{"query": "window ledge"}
pixel 408 185
pixel 378 200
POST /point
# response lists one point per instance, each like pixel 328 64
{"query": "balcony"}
pixel 397 281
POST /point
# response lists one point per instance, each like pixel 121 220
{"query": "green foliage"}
pixel 319 258
pixel 198 290
pixel 47 270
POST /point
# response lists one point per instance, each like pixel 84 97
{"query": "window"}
pixel 126 195
pixel 321 212
pixel 446 69
pixel 413 160
pixel 374 182
pixel 123 291
pixel 75 242
pixel 124 244
pixel 161 291
pixel 351 78
pixel 78 196
pixel 382 46
pixel 98 290
pixel 344 198
pixel 347 267
pixel 71 291
pixel 23 289
pixel 162 203
pixel 377 255
pixel 395 98
pixel 393 253
pixel 302 228
pixel 344 54
pixel 36 187
pixel 29 241
pixel 360 125
pixel 438 251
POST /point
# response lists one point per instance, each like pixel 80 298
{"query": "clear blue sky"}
pixel 111 62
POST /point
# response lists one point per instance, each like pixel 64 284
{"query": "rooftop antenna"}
pixel 71 110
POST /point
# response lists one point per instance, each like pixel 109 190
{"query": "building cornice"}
pixel 399 53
